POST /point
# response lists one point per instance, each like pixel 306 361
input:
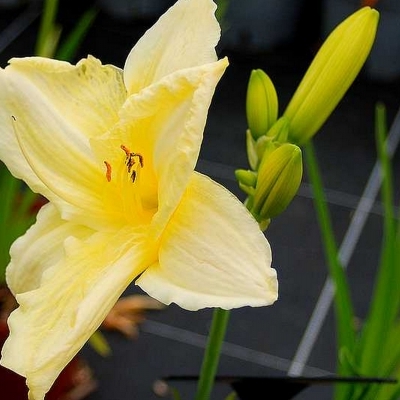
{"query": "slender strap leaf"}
pixel 343 303
pixel 68 48
pixel 48 34
pixel 9 187
pixel 344 313
pixel 385 299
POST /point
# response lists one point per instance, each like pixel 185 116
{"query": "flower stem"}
pixel 212 354
pixel 47 36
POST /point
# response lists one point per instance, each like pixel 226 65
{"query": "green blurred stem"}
pixel 67 50
pixel 47 29
pixel 212 354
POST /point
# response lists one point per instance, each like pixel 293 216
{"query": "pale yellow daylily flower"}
pixel 114 152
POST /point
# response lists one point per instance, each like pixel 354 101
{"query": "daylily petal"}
pixel 185 36
pixel 212 254
pixel 45 104
pixel 54 321
pixel 10 152
pixel 40 248
pixel 88 95
pixel 62 105
pixel 165 123
pixel 174 163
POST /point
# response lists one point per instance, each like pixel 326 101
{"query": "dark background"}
pixel 260 341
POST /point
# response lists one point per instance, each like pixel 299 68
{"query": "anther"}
pixel 108 171
pixel 126 150
pixel 130 161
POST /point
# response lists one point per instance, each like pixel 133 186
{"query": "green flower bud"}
pixel 263 224
pixel 252 154
pixel 278 181
pixel 247 177
pixel 249 190
pixel 247 180
pixel 279 130
pixel 331 73
pixel 256 149
pixel 261 103
pixel 264 146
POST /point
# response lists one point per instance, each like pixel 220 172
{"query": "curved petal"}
pixel 212 254
pixel 48 110
pixel 40 248
pixel 178 142
pixel 165 124
pixel 10 152
pixel 87 95
pixel 185 36
pixel 55 320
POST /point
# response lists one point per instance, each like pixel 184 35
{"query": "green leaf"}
pixel 69 47
pixel 17 214
pixel 385 300
pixel 8 189
pixel 346 335
pixel 175 393
pixel 49 32
pixel 391 359
pixel 231 396
pixel 220 14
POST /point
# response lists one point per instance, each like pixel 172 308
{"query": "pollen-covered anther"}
pixel 130 162
pixel 108 171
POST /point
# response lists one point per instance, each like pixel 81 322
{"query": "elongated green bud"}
pixel 247 177
pixel 333 70
pixel 279 131
pixel 251 149
pixel 278 181
pixel 261 103
pixel 276 135
pixel 247 180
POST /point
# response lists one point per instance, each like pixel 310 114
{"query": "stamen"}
pixel 130 161
pixel 108 171
pixel 126 150
pixel 140 159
